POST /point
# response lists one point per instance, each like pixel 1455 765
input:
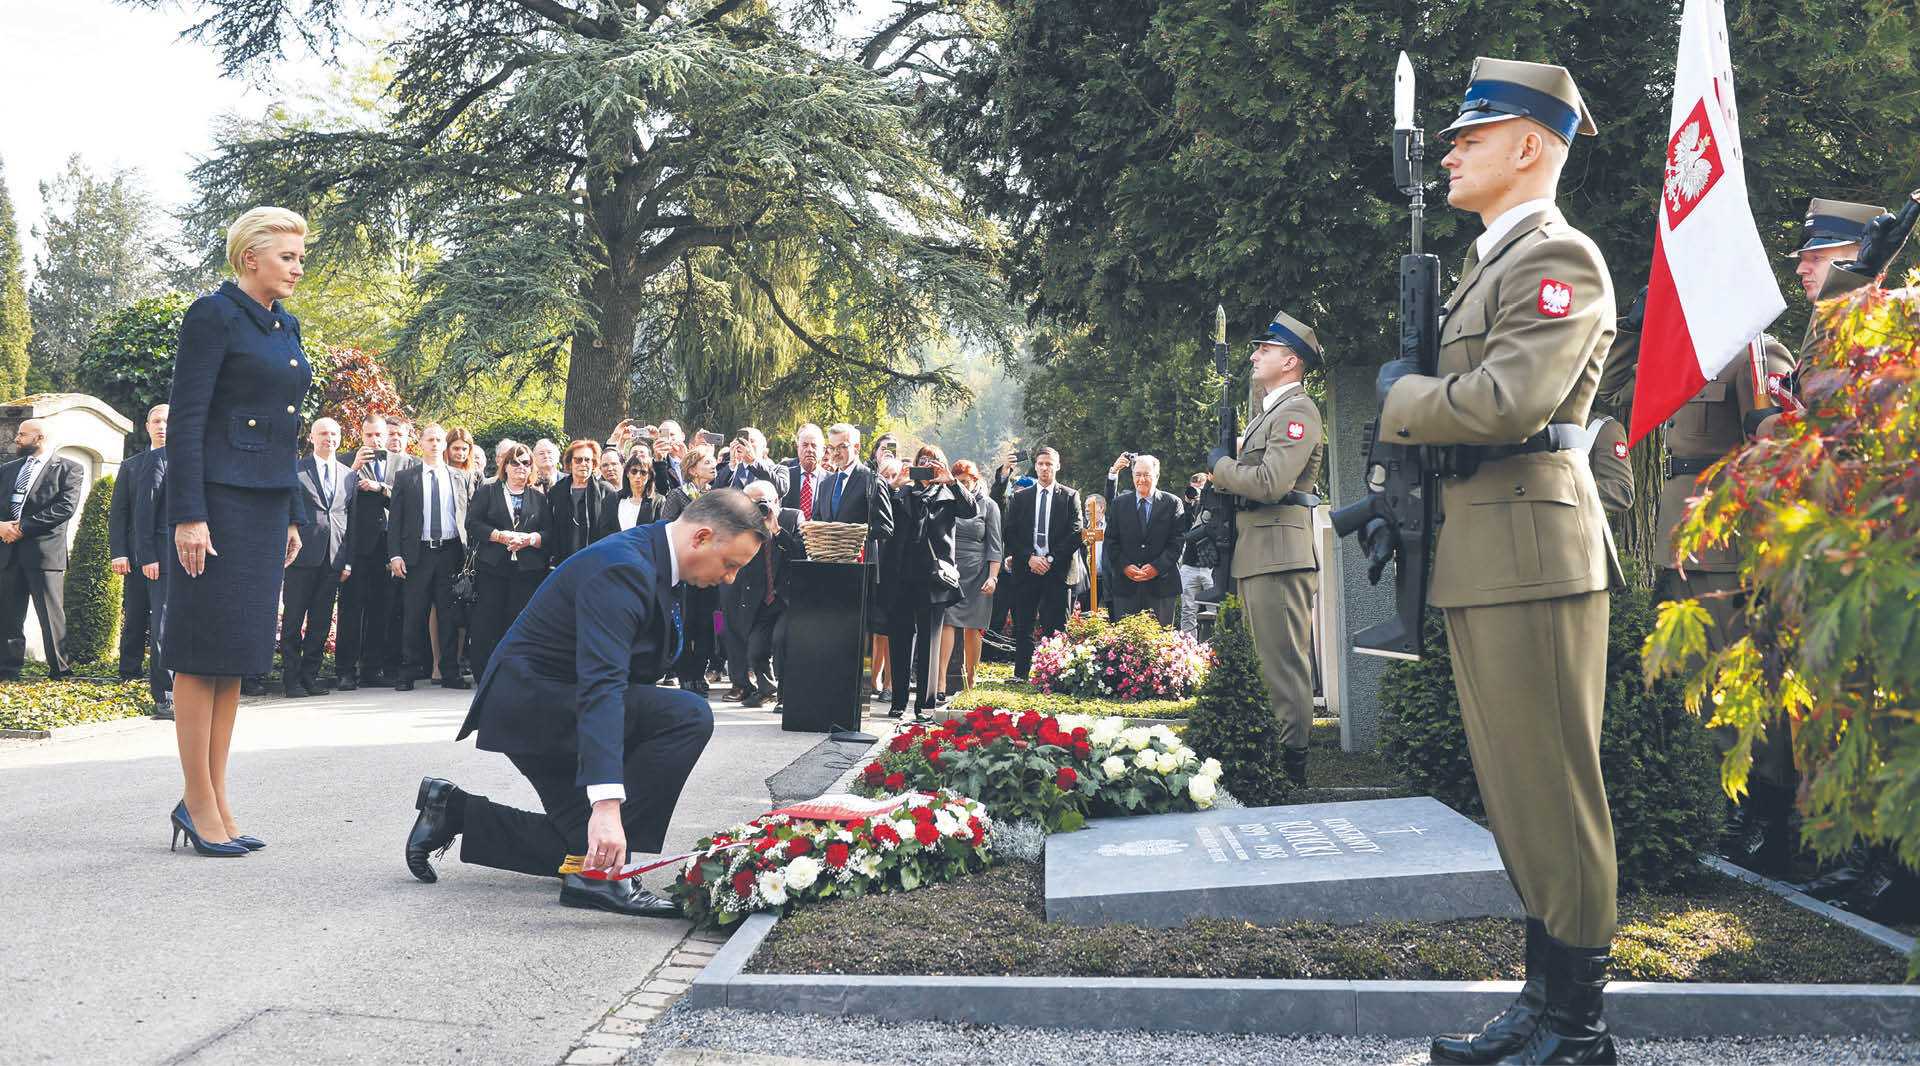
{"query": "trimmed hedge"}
pixel 1015 696
pixel 1661 770
pixel 1233 718
pixel 46 704
pixel 93 589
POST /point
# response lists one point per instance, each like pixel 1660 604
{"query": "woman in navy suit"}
pixel 238 381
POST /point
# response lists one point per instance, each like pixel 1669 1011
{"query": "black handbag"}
pixel 465 588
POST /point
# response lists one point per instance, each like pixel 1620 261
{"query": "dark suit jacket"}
pixel 764 470
pixel 924 520
pixel 1129 545
pixel 790 497
pixel 557 683
pixel 152 537
pixel 135 479
pixel 489 511
pixel 1063 532
pixel 863 499
pixel 51 502
pixel 665 479
pixel 234 412
pixel 406 525
pixel 367 512
pixel 603 517
pixel 748 592
pixel 323 537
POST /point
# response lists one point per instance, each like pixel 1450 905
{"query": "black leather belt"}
pixel 1547 440
pixel 1688 465
pixel 1296 498
pixel 436 545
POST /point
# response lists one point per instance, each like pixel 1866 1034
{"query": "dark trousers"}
pixel 1132 597
pixel 697 606
pixel 428 586
pixel 750 645
pixel 136 619
pixel 500 597
pixel 47 590
pixel 1035 596
pixel 159 678
pixel 365 607
pixel 667 729
pixel 392 654
pixel 306 605
pixel 913 626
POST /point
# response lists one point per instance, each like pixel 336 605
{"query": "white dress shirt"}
pixel 617 790
pixel 444 475
pixel 1276 395
pixel 1043 505
pixel 1500 227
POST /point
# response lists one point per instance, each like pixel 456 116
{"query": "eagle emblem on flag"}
pixel 1693 165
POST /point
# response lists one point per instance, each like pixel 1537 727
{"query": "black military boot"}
pixel 1508 1031
pixel 1766 847
pixel 1571 1029
pixel 1887 892
pixel 1295 762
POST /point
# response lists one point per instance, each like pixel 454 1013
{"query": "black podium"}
pixel 822 688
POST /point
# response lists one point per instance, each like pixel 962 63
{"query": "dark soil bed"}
pixel 1710 928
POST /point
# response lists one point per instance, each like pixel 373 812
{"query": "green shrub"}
pixel 128 360
pixel 1233 718
pixel 93 589
pixel 1018 696
pixel 43 704
pixel 1660 767
pixel 523 428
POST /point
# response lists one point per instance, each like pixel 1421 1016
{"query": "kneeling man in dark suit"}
pixel 570 696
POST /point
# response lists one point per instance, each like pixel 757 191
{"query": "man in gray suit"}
pixel 39 494
pixel 314 578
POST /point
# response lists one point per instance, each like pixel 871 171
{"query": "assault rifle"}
pixel 1217 507
pixel 1395 520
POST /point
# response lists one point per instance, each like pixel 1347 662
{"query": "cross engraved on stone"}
pixel 1416 830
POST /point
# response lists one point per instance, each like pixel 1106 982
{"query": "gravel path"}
pixel 866 1040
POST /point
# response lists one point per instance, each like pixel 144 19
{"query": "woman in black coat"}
pixel 928 578
pixel 234 429
pixel 506 523
pixel 638 504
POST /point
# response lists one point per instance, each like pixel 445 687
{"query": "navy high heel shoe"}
pixel 251 843
pixel 183 823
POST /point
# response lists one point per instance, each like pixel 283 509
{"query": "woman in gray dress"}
pixel 977 551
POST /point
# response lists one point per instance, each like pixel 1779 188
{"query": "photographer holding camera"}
pixel 924 516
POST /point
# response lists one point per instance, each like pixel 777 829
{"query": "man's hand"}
pixel 606 837
pixel 9 531
pixel 152 571
pixel 1377 538
pixel 367 484
pixel 1039 564
pixel 362 458
pixel 397 566
pixel 1390 372
pixel 1119 464
pixel 1148 572
pixel 293 545
pixel 120 566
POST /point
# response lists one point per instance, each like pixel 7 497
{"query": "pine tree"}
pixel 16 325
pixel 93 589
pixel 1233 718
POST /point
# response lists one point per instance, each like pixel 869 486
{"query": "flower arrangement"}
pixel 777 861
pixel 1132 659
pixel 1051 770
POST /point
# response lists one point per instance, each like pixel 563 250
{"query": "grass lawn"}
pixel 1710 928
pixel 36 703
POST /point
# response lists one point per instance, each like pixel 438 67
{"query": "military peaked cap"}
pixel 1832 223
pixel 1500 89
pixel 1290 331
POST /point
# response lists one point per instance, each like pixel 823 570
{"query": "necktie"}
pixel 767 551
pixel 326 486
pixel 1146 512
pixel 20 487
pixel 679 631
pixel 806 494
pixel 1044 501
pixel 433 508
pixel 839 485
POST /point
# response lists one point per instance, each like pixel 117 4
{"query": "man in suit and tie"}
pixel 43 492
pixel 139 476
pixel 572 698
pixel 1042 534
pixel 400 442
pixel 366 592
pixel 426 548
pixel 152 545
pixel 806 471
pixel 314 577
pixel 755 604
pixel 748 463
pixel 1144 528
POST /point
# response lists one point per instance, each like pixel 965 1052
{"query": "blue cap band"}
pixel 1835 227
pixel 1512 98
pixel 1279 334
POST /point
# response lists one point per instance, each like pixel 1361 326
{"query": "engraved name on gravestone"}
pixel 1412 859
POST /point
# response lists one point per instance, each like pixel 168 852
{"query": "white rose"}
pixel 1136 737
pixel 802 873
pixel 1147 760
pixel 945 824
pixel 1200 789
pixel 1168 762
pixel 773 887
pixel 1210 769
pixel 1114 767
pixel 1104 729
pixel 1164 736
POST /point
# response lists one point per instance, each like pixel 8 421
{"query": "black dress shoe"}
pixel 1294 761
pixel 296 690
pixel 754 700
pixel 458 682
pixel 1833 884
pixel 253 686
pixel 10 675
pixel 405 684
pixel 348 684
pixel 163 711
pixel 318 686
pixel 620 897
pixel 433 830
pixel 67 675
pixel 735 694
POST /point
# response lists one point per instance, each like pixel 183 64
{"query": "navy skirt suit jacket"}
pixel 233 431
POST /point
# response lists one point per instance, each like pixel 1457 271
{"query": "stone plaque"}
pixel 1372 860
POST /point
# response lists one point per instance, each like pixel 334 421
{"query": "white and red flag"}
pixel 1711 290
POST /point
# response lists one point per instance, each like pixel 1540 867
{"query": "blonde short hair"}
pixel 251 231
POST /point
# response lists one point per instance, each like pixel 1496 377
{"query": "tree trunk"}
pixel 597 368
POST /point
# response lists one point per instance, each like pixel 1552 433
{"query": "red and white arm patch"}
pixel 1620 450
pixel 1556 298
pixel 1296 431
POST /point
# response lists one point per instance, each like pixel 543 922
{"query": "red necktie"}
pixel 806 494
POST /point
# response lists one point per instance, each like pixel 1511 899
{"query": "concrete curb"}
pixel 1345 1008
pixel 1872 930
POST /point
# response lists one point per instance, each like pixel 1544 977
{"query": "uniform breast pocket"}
pixel 1463 338
pixel 249 432
pixel 1280 535
pixel 1535 535
pixel 1712 415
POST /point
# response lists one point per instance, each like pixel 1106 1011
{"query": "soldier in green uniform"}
pixel 1524 558
pixel 1612 467
pixel 1274 564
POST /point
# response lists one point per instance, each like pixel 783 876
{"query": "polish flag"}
pixel 1710 291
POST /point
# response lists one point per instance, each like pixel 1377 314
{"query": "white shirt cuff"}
pixel 596 793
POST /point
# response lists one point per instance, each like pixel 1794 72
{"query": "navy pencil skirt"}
pixel 225 622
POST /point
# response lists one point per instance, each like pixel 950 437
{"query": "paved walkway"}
pixel 321 948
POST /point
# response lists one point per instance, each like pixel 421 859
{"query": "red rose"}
pixel 743 883
pixel 885 833
pixel 926 834
pixel 900 742
pixel 1064 778
pixel 857 824
pixel 923 815
pixel 1079 732
pixel 798 846
pixel 693 875
pixel 766 844
pixel 930 746
pixel 933 758
pixel 874 773
pixel 1029 724
pixel 837 853
pixel 1083 749
pixel 896 781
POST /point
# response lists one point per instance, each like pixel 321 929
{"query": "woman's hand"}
pixel 293 545
pixel 989 585
pixel 194 542
pixel 941 475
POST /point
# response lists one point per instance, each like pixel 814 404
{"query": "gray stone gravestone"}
pixel 1372 860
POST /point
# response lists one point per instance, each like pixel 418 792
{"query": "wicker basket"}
pixel 834 542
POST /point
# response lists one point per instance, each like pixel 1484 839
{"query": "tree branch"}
pixel 469 98
pixel 567 17
pixel 817 346
pixel 877 46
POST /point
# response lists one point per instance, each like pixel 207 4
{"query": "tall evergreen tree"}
pixel 16 325
pixel 102 248
pixel 572 159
